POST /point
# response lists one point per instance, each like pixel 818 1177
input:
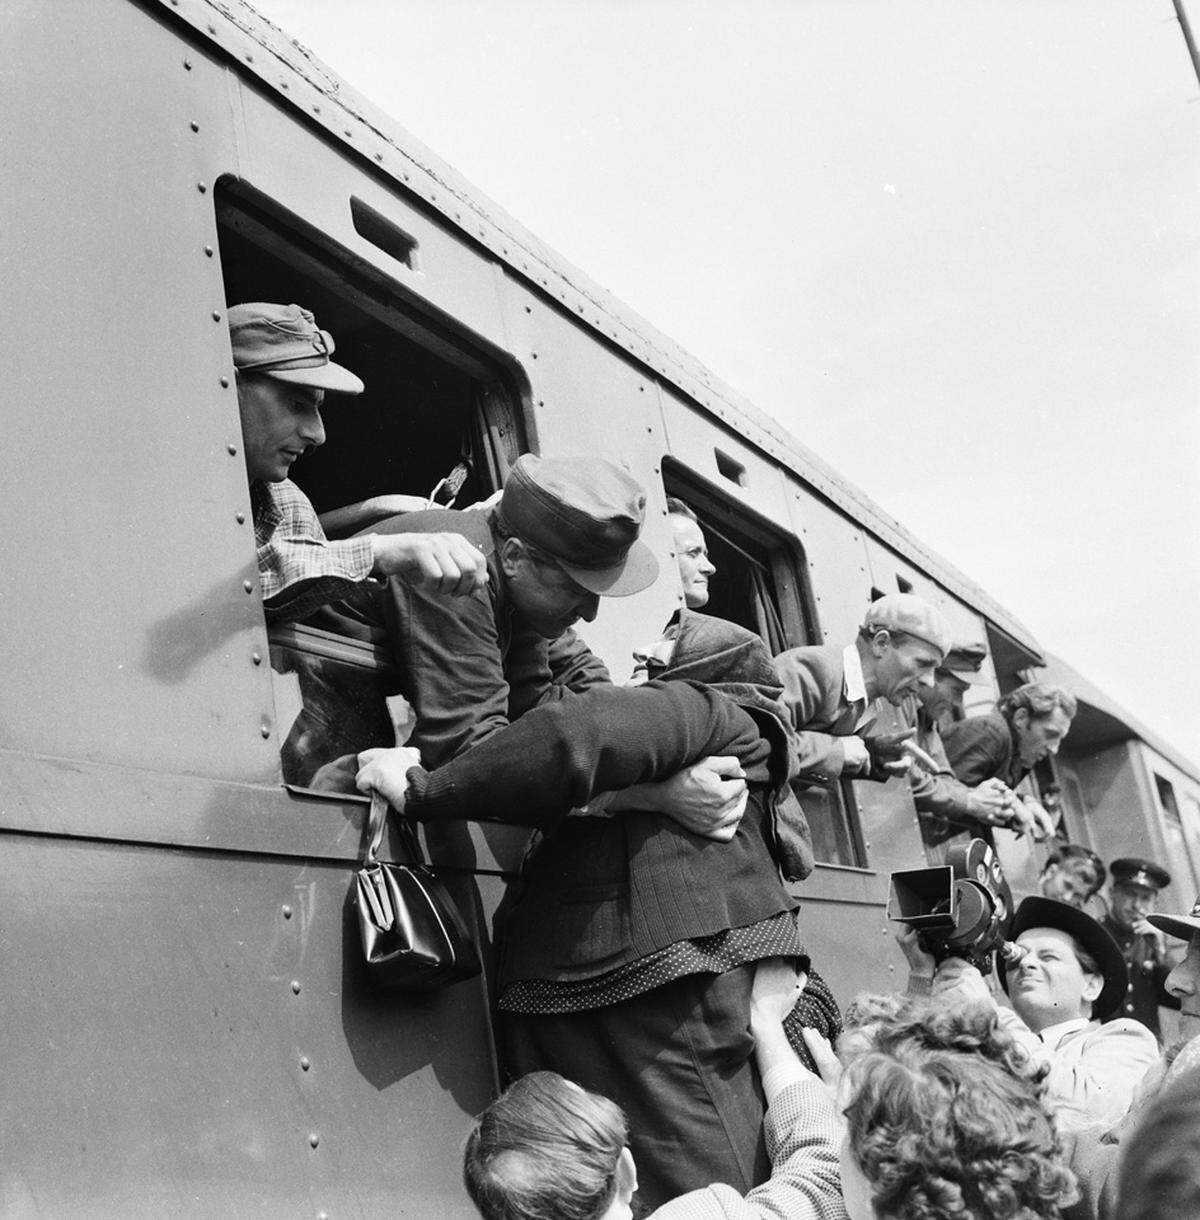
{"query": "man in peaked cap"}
pixel 1134 889
pixel 564 534
pixel 1070 978
pixel 829 689
pixel 282 363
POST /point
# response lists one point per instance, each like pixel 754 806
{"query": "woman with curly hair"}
pixel 944 1119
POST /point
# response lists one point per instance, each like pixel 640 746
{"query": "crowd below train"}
pixel 668 1044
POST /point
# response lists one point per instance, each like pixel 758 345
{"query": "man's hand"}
pixel 892 753
pixel 447 563
pixel 958 982
pixel 708 798
pixel 1041 823
pixel 991 802
pixel 1143 927
pixel 386 771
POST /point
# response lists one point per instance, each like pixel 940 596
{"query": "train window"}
pixel 435 416
pixel 1166 797
pixel 761 582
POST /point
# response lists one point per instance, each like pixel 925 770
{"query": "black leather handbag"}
pixel 414 938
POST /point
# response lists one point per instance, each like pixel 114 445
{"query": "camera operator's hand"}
pixel 921 964
pixel 958 982
pixel 888 754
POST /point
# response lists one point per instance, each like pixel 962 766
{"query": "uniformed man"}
pixel 1135 886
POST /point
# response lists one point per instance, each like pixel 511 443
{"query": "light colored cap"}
pixel 284 342
pixel 912 615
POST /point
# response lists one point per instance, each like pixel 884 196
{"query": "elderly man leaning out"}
pixel 1071 976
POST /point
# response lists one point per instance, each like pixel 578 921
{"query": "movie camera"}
pixel 960 909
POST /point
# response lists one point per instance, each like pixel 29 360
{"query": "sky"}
pixel 952 246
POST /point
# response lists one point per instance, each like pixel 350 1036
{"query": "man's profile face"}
pixel 1184 983
pixel 1067 883
pixel 1049 985
pixel 691 554
pixel 1131 904
pixel 545 598
pixel 901 665
pixel 945 694
pixel 280 422
pixel 1040 736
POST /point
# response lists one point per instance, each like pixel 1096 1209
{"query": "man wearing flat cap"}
pixel 829 689
pixel 1070 978
pixel 1133 891
pixel 282 363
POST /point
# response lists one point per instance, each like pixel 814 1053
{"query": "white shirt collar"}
pixel 855 683
pixel 1052 1035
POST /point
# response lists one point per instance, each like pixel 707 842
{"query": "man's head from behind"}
pixel 1039 716
pixel 1072 874
pixel 547 1148
pixel 691 553
pixel 1071 967
pixel 902 641
pixel 281 361
pixel 569 535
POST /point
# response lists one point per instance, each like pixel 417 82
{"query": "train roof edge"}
pixel 234 26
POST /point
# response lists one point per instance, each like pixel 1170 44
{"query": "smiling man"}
pixel 282 362
pixel 1071 977
pixel 829 689
pixel 691 553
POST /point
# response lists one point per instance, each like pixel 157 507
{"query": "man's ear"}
pixel 1021 719
pixel 512 551
pixel 880 641
pixel 1093 985
pixel 627 1182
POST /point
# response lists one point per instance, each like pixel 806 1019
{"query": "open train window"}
pixel 761 582
pixel 435 414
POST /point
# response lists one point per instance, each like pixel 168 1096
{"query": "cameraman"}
pixel 1071 976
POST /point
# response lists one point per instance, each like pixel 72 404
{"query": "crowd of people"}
pixel 669 1044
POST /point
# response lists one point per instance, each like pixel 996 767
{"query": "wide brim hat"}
pixel 1183 926
pixel 586 514
pixel 283 342
pixel 1049 913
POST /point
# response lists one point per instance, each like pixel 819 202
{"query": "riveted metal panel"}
pixel 127 631
pixel 196 1040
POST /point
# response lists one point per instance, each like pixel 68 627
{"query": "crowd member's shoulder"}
pixel 823 661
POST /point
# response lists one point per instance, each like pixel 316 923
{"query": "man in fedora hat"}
pixel 1134 888
pixel 1184 980
pixel 282 364
pixel 1071 976
pixel 829 689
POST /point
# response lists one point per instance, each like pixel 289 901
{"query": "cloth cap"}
pixel 912 615
pixel 964 662
pixel 1130 870
pixel 1049 913
pixel 586 513
pixel 1183 926
pixel 284 342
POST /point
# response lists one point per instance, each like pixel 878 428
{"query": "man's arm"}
pixel 558 756
pixel 807 685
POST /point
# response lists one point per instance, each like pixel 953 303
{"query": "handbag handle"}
pixel 377 823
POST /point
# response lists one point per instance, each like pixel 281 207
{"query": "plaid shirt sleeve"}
pixel 803 1135
pixel 298 567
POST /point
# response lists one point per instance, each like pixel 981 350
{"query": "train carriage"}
pixel 187 1028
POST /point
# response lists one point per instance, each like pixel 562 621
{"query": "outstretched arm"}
pixel 532 772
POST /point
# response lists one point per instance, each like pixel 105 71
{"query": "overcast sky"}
pixel 952 246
